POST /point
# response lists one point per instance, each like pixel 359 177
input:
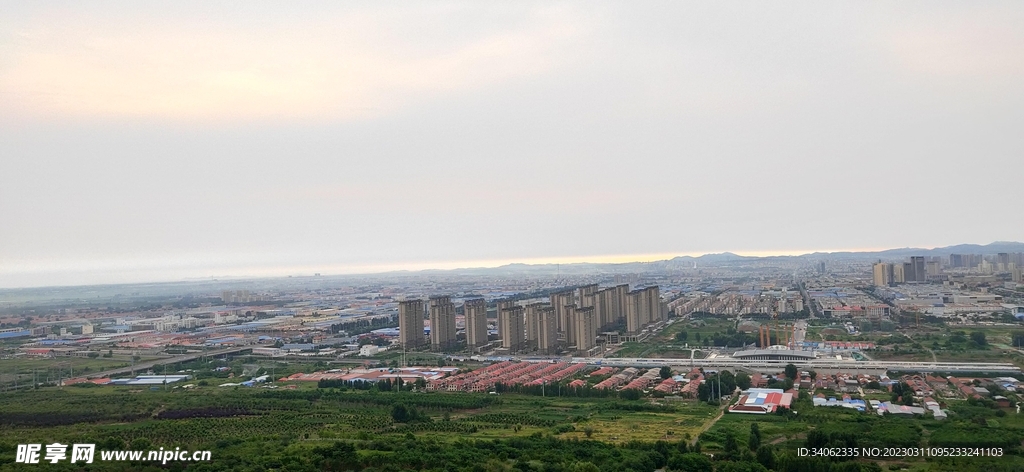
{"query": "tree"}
pixel 755 437
pixel 731 446
pixel 979 338
pixel 401 414
pixel 703 392
pixel 742 466
pixel 690 462
pixel 630 394
pixel 743 380
pixel 766 457
pixel 665 372
pixel 812 374
pixel 583 467
pixel 340 456
pixel 697 337
pixel 681 336
pixel 791 371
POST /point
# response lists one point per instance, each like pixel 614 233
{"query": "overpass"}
pixel 815 364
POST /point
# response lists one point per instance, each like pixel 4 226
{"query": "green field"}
pixel 280 429
pixel 50 369
pixel 246 427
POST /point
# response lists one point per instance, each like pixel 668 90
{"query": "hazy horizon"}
pixel 161 274
pixel 146 142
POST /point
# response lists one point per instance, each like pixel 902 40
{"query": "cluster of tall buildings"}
pixel 572 319
pixel 239 296
pixel 1001 262
pixel 921 269
pixel 917 270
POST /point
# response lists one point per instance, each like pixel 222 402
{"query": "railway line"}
pixel 779 365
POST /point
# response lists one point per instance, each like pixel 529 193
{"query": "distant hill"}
pixel 987 249
pixel 728 257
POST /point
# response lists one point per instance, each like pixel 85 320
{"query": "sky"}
pixel 147 141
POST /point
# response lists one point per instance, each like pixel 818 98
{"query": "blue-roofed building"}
pixel 8 334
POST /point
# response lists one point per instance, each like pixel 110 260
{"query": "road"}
pixel 800 334
pixel 711 423
pixel 144 366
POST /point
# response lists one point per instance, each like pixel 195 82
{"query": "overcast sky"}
pixel 148 141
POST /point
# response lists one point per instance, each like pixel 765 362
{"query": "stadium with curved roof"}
pixel 774 354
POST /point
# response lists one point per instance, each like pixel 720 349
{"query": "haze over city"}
pixel 495 236
pixel 194 140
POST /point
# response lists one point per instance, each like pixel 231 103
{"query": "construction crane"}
pixel 775 318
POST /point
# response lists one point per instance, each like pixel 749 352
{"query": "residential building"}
pixel 410 323
pixel 560 300
pixel 585 329
pixel 547 330
pixel 442 323
pixel 475 312
pixel 510 327
pixel 882 274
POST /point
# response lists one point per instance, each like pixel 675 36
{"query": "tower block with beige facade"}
pixel 442 323
pixel 560 300
pixel 475 312
pixel 533 324
pixel 547 331
pixel 511 328
pixel 586 329
pixel 410 323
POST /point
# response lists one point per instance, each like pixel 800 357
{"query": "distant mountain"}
pixel 987 249
pixel 728 257
pixel 719 257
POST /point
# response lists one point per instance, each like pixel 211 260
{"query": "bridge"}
pixel 144 366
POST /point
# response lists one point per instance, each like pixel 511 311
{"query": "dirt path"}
pixel 708 425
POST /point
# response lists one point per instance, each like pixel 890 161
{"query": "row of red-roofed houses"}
pixel 666 386
pixel 507 373
pixel 643 381
pixel 690 389
pixel 920 386
pixel 618 379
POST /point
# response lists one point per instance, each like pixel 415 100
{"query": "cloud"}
pixel 975 44
pixel 85 66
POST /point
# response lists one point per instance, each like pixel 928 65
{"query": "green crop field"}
pixel 339 429
pixel 245 426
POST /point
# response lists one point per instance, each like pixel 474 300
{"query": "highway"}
pixel 144 366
